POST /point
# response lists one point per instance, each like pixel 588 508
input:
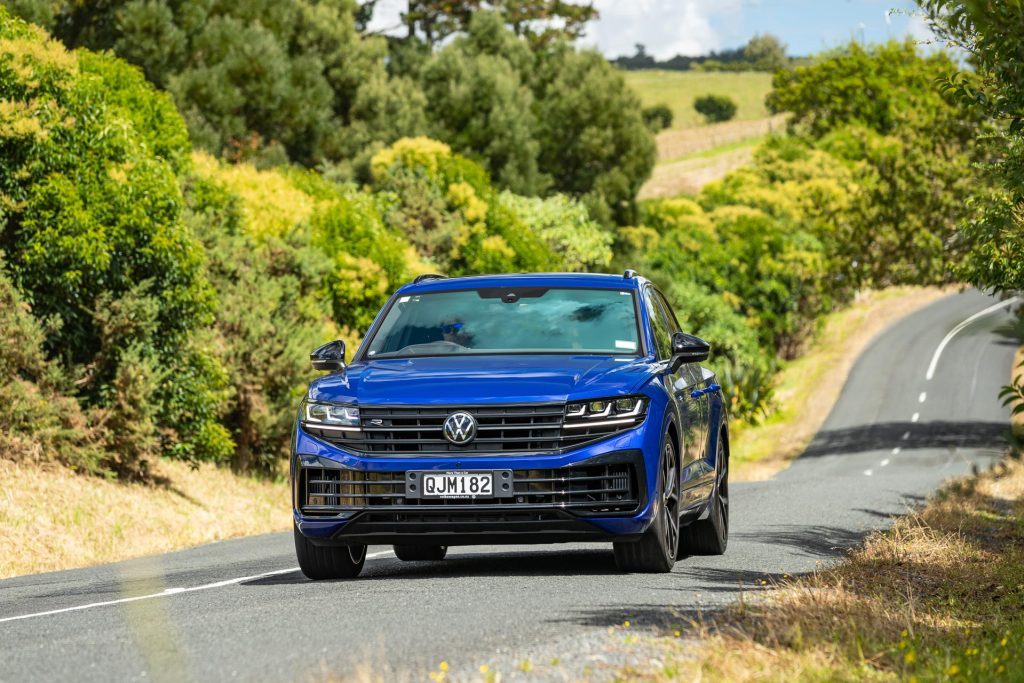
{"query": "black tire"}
pixel 657 549
pixel 320 562
pixel 711 536
pixel 420 553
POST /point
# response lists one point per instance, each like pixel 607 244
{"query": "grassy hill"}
pixel 678 89
pixel 693 153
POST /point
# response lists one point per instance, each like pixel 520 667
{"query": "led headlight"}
pixel 620 410
pixel 331 416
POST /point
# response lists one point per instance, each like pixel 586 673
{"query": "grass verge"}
pixel 936 597
pixel 51 518
pixel 808 387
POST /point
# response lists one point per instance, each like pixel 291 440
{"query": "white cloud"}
pixel 919 29
pixel 387 16
pixel 665 27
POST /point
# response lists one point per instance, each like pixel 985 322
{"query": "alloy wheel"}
pixel 670 499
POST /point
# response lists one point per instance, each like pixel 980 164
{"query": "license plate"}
pixel 436 484
pixel 457 484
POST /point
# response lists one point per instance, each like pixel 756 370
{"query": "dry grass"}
pixel 937 597
pixel 809 386
pixel 691 158
pixel 1018 369
pixel 688 176
pixel 51 518
pixel 676 145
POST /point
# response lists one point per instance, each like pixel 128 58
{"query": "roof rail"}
pixel 428 276
pixel 629 274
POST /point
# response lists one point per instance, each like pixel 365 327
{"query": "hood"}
pixel 470 380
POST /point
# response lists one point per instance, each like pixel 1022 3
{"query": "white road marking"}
pixel 956 330
pixel 922 397
pixel 906 435
pixel 884 462
pixel 868 473
pixel 169 592
pixel 896 451
pixel 915 417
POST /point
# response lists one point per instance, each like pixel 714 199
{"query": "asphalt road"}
pixel 240 609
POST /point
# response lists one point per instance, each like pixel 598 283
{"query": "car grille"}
pixel 500 429
pixel 587 489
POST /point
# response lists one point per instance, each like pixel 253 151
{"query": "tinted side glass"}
pixel 672 319
pixel 659 325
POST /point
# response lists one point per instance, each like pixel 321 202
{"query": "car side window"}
pixel 659 325
pixel 672 319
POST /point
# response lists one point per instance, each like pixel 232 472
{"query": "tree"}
pixel 479 104
pixel 765 52
pixel 993 232
pixel 911 148
pixel 271 81
pixel 540 21
pixel 93 232
pixel 594 143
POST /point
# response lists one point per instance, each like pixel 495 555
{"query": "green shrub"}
pixel 658 117
pixel 567 229
pixel 446 206
pixel 38 422
pixel 715 108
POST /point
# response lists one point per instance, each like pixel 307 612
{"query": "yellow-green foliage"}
pixel 368 259
pixel 422 152
pixel 446 205
pixel 271 203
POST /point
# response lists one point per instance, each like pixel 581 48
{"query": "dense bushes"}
pixel 658 117
pixel 715 108
pixel 298 80
pixel 94 238
pixel 166 303
pixel 910 149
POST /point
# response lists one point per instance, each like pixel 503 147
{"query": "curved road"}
pixel 240 609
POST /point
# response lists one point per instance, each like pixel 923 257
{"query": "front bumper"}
pixel 379 515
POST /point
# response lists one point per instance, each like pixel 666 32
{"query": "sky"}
pixel 693 27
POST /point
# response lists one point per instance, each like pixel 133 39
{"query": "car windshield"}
pixel 509 319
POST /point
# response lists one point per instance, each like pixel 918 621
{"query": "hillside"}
pixel 693 153
pixel 678 89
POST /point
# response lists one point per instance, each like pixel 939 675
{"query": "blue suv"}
pixel 534 408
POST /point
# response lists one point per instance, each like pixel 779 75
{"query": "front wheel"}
pixel 711 536
pixel 657 548
pixel 328 562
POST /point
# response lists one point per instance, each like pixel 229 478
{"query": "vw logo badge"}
pixel 460 428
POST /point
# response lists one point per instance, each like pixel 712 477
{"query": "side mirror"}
pixel 329 357
pixel 687 348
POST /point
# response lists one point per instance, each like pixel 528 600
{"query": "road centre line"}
pixel 915 417
pixel 922 397
pixel 906 435
pixel 170 591
pixel 884 462
pixel 956 330
pixel 896 451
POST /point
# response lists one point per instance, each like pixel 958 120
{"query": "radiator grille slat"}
pixel 589 488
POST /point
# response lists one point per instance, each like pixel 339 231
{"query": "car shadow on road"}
pixel 540 562
pixel 885 435
pixel 813 539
